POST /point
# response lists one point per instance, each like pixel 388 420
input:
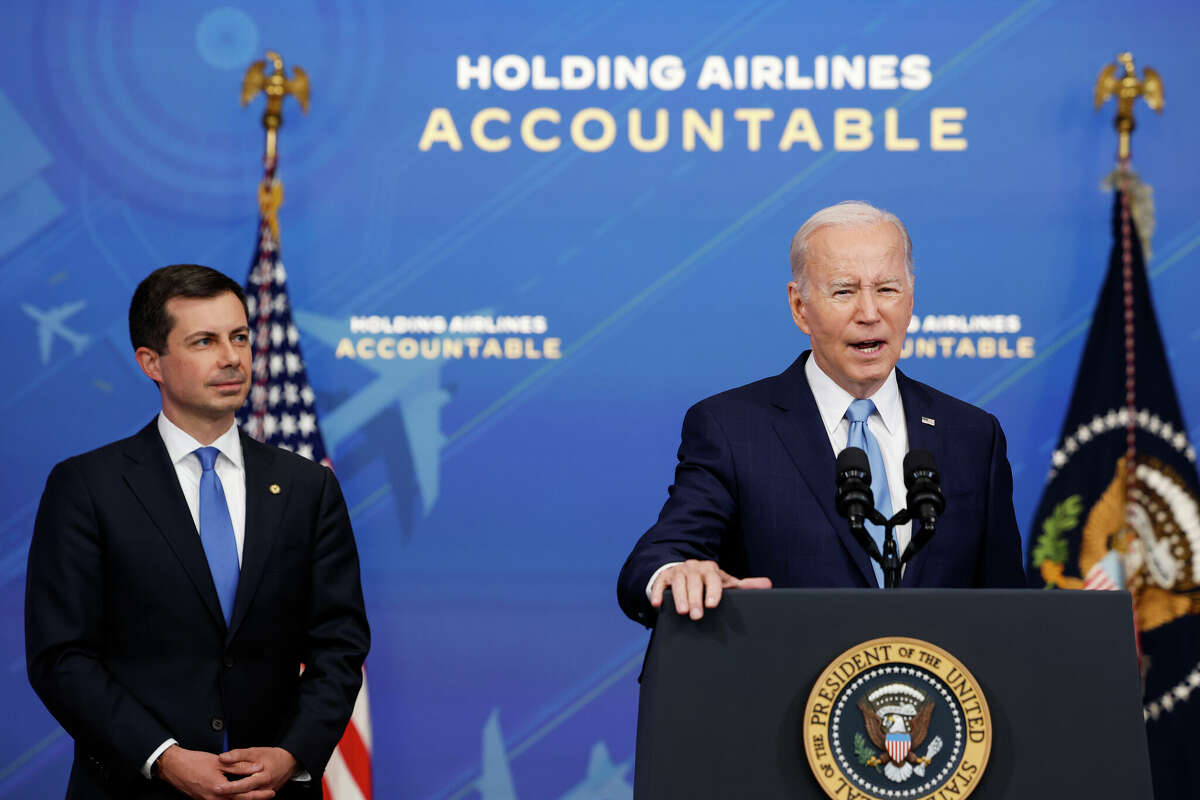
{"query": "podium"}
pixel 724 699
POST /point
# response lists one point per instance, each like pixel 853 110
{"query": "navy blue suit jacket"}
pixel 125 640
pixel 755 486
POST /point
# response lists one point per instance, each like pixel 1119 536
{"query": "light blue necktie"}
pixel 861 436
pixel 216 532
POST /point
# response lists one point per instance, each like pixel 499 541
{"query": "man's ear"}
pixel 148 360
pixel 796 302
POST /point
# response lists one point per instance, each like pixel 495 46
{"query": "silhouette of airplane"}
pixel 415 385
pixel 496 782
pixel 603 781
pixel 50 324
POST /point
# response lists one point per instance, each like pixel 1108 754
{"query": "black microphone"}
pixel 854 497
pixel 925 499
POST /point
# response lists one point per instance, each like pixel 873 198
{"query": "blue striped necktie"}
pixel 861 436
pixel 216 532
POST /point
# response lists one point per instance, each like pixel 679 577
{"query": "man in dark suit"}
pixel 178 580
pixel 755 486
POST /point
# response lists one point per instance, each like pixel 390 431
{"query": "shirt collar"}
pixel 181 444
pixel 833 400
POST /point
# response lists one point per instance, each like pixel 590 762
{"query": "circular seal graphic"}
pixel 897 718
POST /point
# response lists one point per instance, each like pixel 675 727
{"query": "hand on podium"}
pixel 697 585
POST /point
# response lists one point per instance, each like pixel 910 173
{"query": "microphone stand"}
pixel 889 560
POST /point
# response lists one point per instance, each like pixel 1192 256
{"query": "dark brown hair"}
pixel 149 322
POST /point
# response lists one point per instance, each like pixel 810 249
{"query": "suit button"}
pixel 228 661
pixel 217 724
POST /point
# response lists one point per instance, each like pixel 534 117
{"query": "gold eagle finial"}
pixel 276 85
pixel 1127 88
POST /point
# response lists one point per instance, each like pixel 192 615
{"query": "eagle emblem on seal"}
pixel 897 720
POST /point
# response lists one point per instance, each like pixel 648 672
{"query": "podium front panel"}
pixel 723 698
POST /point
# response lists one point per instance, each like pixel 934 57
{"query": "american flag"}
pixel 281 411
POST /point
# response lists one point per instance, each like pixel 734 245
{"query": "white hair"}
pixel 846 214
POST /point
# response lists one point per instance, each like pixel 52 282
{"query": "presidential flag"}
pixel 1119 510
pixel 281 411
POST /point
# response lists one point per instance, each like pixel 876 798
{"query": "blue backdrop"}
pixel 494 499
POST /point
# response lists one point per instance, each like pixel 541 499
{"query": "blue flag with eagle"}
pixel 1120 506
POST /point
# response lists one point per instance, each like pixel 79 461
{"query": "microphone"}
pixel 854 498
pixel 925 500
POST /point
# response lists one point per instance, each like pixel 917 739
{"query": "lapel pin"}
pixel 928 421
pixel 274 488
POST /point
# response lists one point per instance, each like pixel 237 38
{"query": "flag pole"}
pixel 276 85
pixel 281 408
pixel 1127 88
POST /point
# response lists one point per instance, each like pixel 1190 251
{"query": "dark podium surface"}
pixel 722 699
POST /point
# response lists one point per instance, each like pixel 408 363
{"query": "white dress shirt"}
pixel 887 422
pixel 181 448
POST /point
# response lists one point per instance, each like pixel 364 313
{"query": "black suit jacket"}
pixel 755 486
pixel 125 640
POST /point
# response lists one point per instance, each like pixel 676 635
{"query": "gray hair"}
pixel 846 214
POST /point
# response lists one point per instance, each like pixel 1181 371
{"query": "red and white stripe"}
pixel 1099 579
pixel 348 773
pixel 898 749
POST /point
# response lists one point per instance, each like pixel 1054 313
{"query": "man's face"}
pixel 205 373
pixel 859 304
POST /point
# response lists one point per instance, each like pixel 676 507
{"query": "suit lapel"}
pixel 803 435
pixel 151 476
pixel 266 492
pixel 921 422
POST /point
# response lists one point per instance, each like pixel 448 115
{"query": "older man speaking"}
pixel 752 505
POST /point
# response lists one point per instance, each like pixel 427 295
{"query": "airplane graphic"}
pixel 603 781
pixel 50 324
pixel 415 385
pixel 496 782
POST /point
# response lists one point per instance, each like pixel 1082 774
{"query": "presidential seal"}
pixel 897 718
